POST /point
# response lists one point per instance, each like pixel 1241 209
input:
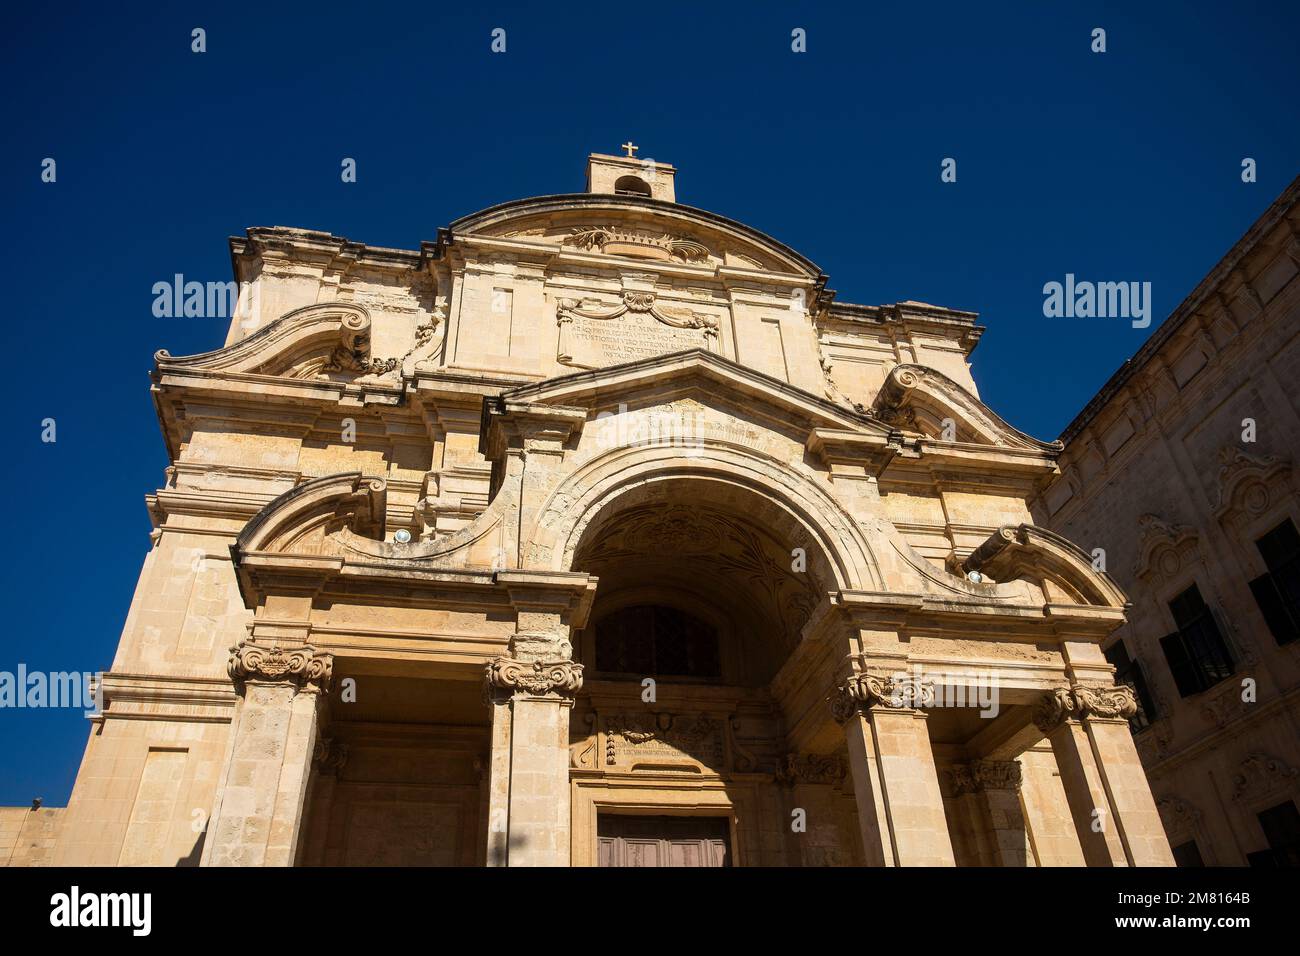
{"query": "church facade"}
pixel 597 531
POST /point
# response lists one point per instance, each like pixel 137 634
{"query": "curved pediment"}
pixel 329 340
pixel 924 400
pixel 1063 569
pixel 299 520
pixel 637 228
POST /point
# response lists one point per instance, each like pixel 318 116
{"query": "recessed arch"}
pixel 777 495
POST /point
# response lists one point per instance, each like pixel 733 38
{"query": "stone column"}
pixel 992 787
pixel 814 781
pixel 328 758
pixel 528 802
pixel 900 806
pixel 1110 799
pixel 257 817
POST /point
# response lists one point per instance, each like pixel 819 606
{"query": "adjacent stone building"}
pixel 597 531
pixel 1181 471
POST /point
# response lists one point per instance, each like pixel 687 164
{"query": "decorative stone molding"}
pixel 1226 706
pixel 1260 775
pixel 1250 484
pixel 1163 548
pixel 980 775
pixel 312 342
pixel 536 678
pixel 932 397
pixel 1178 816
pixel 1078 701
pixel 865 691
pixel 329 755
pixel 677 329
pixel 1037 554
pixel 617 240
pixel 664 739
pixel 1156 741
pixel 304 666
pixel 823 769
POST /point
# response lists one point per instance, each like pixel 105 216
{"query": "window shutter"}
pixel 1180 664
pixel 1274 609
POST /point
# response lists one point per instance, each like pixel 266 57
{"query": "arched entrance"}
pixel 680 754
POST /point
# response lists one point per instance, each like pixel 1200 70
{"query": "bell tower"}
pixel 630 175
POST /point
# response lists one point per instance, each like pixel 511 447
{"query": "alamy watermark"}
pixel 27 688
pixel 1103 300
pixel 926 687
pixel 665 426
pixel 177 298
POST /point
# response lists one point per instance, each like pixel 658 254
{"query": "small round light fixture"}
pixel 402 536
pixel 974 577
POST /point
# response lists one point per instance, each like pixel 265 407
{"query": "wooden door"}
pixel 663 841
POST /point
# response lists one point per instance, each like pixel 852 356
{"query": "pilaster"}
pixel 1110 799
pixel 900 806
pixel 991 790
pixel 258 813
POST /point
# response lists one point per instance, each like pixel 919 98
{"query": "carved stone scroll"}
pixel 304 666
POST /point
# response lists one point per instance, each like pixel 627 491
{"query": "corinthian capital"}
pixel 980 775
pixel 1078 701
pixel 538 678
pixel 303 666
pixel 862 691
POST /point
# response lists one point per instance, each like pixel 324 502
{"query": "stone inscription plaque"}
pixel 594 337
pixel 664 739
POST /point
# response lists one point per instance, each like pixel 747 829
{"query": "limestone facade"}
pixel 597 529
pixel 1179 470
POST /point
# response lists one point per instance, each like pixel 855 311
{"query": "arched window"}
pixel 631 186
pixel 650 640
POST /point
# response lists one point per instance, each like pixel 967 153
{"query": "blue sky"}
pixel 1122 166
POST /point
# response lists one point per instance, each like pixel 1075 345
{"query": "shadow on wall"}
pixel 196 854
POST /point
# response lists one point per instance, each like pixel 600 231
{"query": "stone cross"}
pixel 631 149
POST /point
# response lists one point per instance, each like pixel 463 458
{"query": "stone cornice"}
pixel 277 241
pixel 601 388
pixel 304 667
pixel 1011 613
pixel 652 210
pixel 1211 284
